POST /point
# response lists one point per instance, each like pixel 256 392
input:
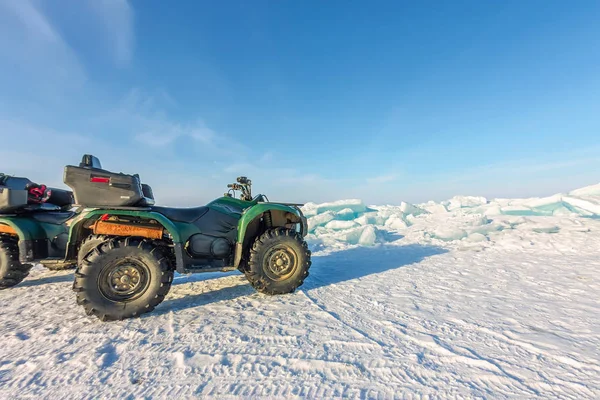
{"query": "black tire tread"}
pixel 82 272
pixel 91 239
pixel 15 272
pixel 253 269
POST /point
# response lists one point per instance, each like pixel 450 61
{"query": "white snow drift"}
pixel 467 298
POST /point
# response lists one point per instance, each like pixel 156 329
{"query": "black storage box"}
pixel 98 187
pixel 12 199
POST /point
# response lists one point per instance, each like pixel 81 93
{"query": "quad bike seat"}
pixel 56 218
pixel 188 215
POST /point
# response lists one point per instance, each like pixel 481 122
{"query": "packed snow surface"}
pixel 467 298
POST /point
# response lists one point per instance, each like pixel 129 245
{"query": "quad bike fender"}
pixel 279 215
pixel 77 230
pixel 30 234
pixel 88 216
pixel 282 213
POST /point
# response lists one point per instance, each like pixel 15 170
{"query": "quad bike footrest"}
pixel 57 262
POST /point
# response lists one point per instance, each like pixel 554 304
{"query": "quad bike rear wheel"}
pixel 88 244
pixel 12 272
pixel 279 262
pixel 123 278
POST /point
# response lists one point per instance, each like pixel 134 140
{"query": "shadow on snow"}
pixel 46 280
pixel 202 299
pixel 360 262
pixel 330 269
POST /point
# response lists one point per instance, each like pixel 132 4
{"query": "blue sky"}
pixel 315 101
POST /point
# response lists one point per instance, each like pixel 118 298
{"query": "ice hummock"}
pixel 464 202
pixel 461 219
pixel 592 190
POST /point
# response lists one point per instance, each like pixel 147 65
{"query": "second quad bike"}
pixel 127 249
pixel 35 224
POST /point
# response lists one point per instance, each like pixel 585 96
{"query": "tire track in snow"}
pixel 555 383
pixel 449 354
pixel 336 317
pixel 388 349
pixel 531 348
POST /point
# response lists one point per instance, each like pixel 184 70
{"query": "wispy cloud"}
pixel 267 157
pixel 153 126
pixel 35 22
pixel 152 120
pixel 39 153
pixel 118 20
pixel 382 179
pixel 541 165
pixel 161 132
pixel 240 168
pixel 33 50
pixel 540 176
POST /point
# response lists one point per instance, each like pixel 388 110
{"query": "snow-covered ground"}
pixel 469 298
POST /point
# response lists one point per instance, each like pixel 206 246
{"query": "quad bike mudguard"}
pixel 251 214
pixel 33 235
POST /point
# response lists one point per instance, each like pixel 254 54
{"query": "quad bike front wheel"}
pixel 123 278
pixel 12 272
pixel 279 262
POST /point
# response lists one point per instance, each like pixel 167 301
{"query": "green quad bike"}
pixel 137 247
pixel 33 228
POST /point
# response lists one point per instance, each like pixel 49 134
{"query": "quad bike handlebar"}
pixel 244 185
pixel 244 180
